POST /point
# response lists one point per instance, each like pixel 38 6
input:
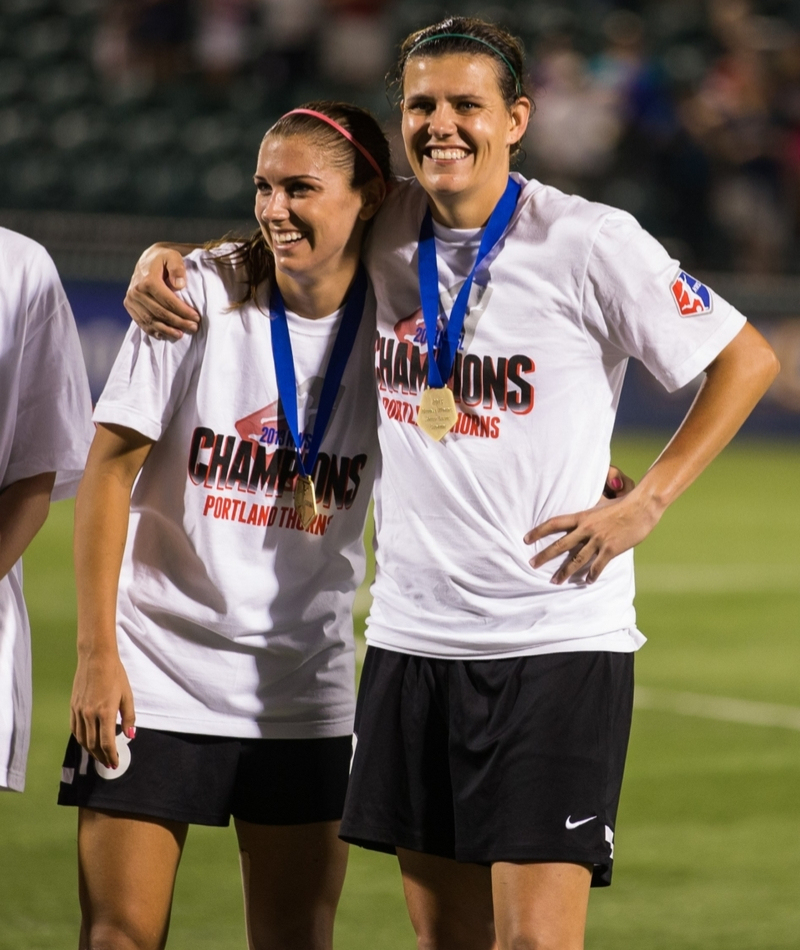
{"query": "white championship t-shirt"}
pixel 45 426
pixel 232 619
pixel 570 292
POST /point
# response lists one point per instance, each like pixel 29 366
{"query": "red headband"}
pixel 342 131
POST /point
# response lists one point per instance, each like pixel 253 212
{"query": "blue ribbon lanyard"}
pixel 440 367
pixel 284 366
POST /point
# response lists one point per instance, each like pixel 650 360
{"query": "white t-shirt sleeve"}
pixel 52 430
pixel 637 298
pixel 149 378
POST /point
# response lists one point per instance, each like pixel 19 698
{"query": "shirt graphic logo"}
pixel 690 295
pixel 412 330
pixel 267 426
pixel 244 476
pixel 570 824
pixel 480 384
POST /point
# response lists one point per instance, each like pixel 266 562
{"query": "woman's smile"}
pixel 282 239
pixel 445 154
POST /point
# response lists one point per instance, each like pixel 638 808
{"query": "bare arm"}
pixel 151 299
pixel 23 510
pixel 734 383
pixel 101 686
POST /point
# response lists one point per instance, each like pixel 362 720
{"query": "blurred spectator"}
pixel 577 123
pixel 732 118
pixel 787 107
pixel 636 80
pixel 658 176
pixel 221 37
pixel 289 31
pixel 356 44
pixel 143 39
pixel 622 57
pixel 113 51
pixel 160 32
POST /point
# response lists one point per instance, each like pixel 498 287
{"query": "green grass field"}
pixel 710 816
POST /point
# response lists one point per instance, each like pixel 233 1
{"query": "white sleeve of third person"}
pixel 639 300
pixel 53 429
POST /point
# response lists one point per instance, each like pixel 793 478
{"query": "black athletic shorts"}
pixel 491 760
pixel 206 779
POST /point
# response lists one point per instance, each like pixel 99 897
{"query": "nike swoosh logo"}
pixel 576 824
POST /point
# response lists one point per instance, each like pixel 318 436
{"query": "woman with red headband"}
pixel 495 701
pixel 218 547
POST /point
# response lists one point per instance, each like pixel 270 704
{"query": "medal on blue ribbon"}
pixel 305 501
pixel 437 411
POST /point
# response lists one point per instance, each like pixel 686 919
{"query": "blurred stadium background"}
pixel 128 121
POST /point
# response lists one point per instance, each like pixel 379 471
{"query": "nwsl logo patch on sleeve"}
pixel 690 295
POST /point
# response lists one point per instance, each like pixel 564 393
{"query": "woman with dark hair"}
pixel 495 702
pixel 215 584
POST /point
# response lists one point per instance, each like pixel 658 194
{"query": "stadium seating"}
pixel 92 122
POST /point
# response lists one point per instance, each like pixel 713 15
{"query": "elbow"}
pixel 751 359
pixel 774 366
pixel 42 511
pixel 42 489
pixel 767 366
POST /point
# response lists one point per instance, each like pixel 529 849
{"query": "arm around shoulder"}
pixel 151 299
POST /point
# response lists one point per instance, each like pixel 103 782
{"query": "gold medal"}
pixel 305 500
pixel 437 412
